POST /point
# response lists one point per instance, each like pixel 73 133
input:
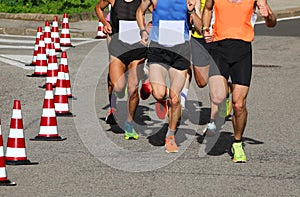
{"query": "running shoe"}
pixel 130 133
pixel 238 153
pixel 161 108
pixel 210 130
pixel 110 116
pixel 171 146
pixel 145 90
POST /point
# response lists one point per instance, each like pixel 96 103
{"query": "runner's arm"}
pixel 207 14
pixel 99 10
pixel 140 17
pixel 266 12
pixel 197 16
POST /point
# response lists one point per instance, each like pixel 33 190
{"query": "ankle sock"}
pixel 170 132
pixel 237 141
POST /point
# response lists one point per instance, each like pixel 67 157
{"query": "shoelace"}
pixel 171 141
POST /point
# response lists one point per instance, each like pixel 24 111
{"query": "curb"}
pixel 80 24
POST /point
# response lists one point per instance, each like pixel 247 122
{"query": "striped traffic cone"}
pixel 16 151
pixel 55 35
pixel 65 38
pixel 47 37
pixel 100 33
pixel 61 102
pixel 40 69
pixel 48 123
pixel 64 61
pixel 3 177
pixel 36 47
pixel 52 69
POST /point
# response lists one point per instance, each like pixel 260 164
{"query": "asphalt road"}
pixel 95 160
pixel 283 28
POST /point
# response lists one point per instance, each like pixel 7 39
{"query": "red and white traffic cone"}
pixel 3 176
pixel 61 102
pixel 36 47
pixel 64 61
pixel 40 69
pixel 47 37
pixel 48 123
pixel 55 35
pixel 65 38
pixel 52 69
pixel 100 33
pixel 15 150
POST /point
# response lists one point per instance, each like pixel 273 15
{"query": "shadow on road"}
pixel 223 144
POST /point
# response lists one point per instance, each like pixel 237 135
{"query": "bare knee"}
pixel 118 87
pixel 217 98
pixel 200 82
pixel 174 101
pixel 200 77
pixel 159 93
pixel 239 108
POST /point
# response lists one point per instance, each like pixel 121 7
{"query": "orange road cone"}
pixel 64 61
pixel 36 47
pixel 3 177
pixel 55 35
pixel 100 33
pixel 65 38
pixel 48 123
pixel 47 37
pixel 16 151
pixel 40 69
pixel 61 102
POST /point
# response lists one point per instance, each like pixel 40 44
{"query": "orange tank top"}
pixel 233 20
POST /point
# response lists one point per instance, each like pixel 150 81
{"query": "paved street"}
pixel 95 160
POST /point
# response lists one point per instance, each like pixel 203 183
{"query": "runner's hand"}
pixel 107 29
pixel 262 6
pixel 208 36
pixel 191 4
pixel 144 36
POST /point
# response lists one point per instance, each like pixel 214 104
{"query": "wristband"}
pixel 204 28
pixel 192 11
pixel 143 30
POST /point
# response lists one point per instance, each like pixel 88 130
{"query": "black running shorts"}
pixel 234 60
pixel 177 56
pixel 126 52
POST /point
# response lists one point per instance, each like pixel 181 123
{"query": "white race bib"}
pixel 171 32
pixel 129 32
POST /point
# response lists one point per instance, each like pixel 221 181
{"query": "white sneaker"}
pixel 210 130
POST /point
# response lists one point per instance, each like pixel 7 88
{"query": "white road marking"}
pixel 15 47
pixel 15 63
pixel 21 60
pixel 281 19
pixel 17 41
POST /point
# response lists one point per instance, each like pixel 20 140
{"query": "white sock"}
pixel 183 96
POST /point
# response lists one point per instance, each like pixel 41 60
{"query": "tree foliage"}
pixel 47 6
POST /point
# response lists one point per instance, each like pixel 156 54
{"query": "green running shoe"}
pixel 238 153
pixel 130 133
